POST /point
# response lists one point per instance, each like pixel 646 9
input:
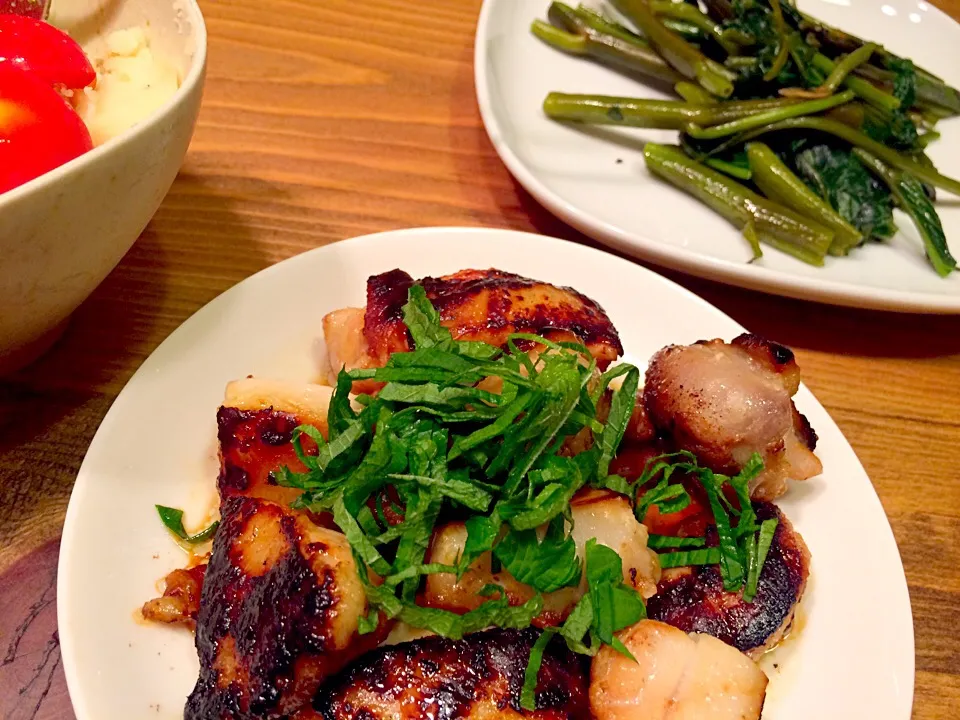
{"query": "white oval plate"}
pixel 597 181
pixel 157 445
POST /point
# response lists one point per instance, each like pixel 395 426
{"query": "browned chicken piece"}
pixel 278 613
pixel 486 305
pixel 600 514
pixel 478 677
pixel 674 676
pixel 180 601
pixel 693 598
pixel 255 427
pixel 723 402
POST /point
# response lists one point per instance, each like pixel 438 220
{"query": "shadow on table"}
pixel 144 299
pixel 50 411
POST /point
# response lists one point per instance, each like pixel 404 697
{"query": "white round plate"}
pixel 596 180
pixel 852 658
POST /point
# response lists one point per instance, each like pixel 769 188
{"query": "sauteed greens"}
pixel 802 135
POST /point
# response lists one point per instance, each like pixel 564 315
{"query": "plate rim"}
pixel 65 572
pixel 768 280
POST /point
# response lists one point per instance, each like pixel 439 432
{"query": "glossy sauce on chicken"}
pixel 485 305
pixel 476 678
pixel 278 614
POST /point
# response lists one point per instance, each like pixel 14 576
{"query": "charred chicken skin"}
pixel 693 599
pixel 478 677
pixel 725 401
pixel 255 427
pixel 277 617
pixel 278 613
pixel 485 305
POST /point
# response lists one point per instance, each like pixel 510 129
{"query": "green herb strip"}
pixel 438 441
pixel 547 565
pixel 660 542
pixel 684 558
pixel 763 541
pixel 172 518
pixel 528 699
pixel 736 538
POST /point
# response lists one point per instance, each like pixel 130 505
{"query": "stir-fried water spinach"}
pixel 826 130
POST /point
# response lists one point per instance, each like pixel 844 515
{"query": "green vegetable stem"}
pixel 664 114
pixel 766 117
pixel 694 94
pixel 573 34
pixel 773 224
pixel 682 56
pixel 854 137
pixel 779 184
pixel 911 198
pixel 691 14
pixel 847 65
pixel 870 93
pixel 783 47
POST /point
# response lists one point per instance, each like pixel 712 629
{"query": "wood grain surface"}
pixel 324 120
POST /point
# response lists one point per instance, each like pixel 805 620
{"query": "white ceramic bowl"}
pixel 63 232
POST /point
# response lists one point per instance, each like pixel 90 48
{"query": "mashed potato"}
pixel 131 84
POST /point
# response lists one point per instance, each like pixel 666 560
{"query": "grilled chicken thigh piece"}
pixel 478 678
pixel 675 677
pixel 278 613
pixel 180 601
pixel 485 305
pixel 725 401
pixel 693 598
pixel 255 427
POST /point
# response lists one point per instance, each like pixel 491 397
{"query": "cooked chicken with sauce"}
pixel 693 598
pixel 180 601
pixel 675 677
pixel 485 305
pixel 725 401
pixel 476 678
pixel 255 427
pixel 603 515
pixel 278 614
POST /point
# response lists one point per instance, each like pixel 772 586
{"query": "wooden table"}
pixel 322 121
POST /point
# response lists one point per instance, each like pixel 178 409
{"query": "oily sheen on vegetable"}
pixel 803 136
pixel 513 502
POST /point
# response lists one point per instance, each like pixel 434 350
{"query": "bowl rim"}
pixel 192 79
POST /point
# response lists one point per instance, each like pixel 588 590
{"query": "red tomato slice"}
pixel 38 129
pixel 40 48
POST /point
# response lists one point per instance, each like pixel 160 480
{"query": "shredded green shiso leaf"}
pixel 448 448
pixel 172 519
pixel 432 445
pixel 743 544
